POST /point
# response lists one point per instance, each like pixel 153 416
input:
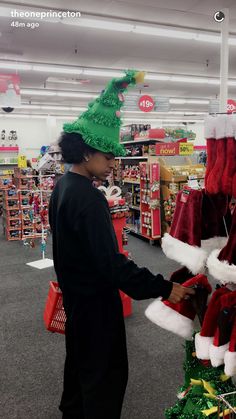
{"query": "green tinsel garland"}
pixel 191 405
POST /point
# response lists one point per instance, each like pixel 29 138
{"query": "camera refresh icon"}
pixel 219 16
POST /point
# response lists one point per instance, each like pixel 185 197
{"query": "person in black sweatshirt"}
pixel 90 272
pixel 89 268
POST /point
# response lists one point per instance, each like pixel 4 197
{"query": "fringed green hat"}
pixel 100 124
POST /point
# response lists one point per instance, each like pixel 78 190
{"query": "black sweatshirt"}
pixel 85 250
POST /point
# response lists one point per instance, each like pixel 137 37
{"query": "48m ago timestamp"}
pixel 24 25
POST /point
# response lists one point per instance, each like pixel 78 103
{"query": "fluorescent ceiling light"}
pixel 15 66
pixel 176 101
pixel 109 73
pixel 163 77
pixel 103 73
pixel 146 29
pixel 182 112
pixel 197 101
pixel 110 25
pixel 32 116
pixel 24 116
pixel 37 92
pixel 163 120
pixel 186 113
pixel 57 69
pixel 51 107
pixel 187 79
pixel 75 94
pixel 46 92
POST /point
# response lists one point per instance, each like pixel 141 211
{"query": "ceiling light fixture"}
pixel 148 30
pixel 46 92
pixel 57 69
pixel 51 107
pixel 176 101
pixel 113 73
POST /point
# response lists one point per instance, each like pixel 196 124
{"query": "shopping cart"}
pixel 227 405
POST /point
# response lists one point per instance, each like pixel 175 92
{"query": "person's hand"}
pixel 179 293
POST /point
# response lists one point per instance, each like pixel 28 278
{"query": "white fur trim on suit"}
pixel 230 363
pixel 192 257
pixel 202 346
pixel 163 316
pixel 210 124
pixel 216 242
pixel 217 354
pixel 221 269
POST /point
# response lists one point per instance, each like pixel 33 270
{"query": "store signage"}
pixel 161 103
pixel 9 90
pixel 168 149
pixel 186 149
pixel 146 103
pixel 214 106
pixel 231 106
pixel 22 162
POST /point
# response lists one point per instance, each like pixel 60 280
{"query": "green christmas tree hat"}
pixel 100 124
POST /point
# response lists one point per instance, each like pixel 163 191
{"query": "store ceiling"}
pixel 71 45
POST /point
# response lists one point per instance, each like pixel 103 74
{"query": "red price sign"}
pixel 146 103
pixel 231 106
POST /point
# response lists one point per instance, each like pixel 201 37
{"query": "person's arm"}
pixel 113 267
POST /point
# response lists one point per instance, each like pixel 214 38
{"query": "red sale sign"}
pixel 146 103
pixel 231 106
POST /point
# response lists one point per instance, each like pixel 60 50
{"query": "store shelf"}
pixel 132 182
pixel 8 164
pixel 132 158
pixel 134 207
pixel 132 229
pixel 144 141
pixel 7 149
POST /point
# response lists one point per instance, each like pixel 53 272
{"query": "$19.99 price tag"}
pixel 146 103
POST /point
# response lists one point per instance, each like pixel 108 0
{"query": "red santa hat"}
pixel 181 275
pixel 222 263
pixel 204 339
pixel 177 318
pixel 214 180
pixel 230 354
pixel 196 229
pixel 224 326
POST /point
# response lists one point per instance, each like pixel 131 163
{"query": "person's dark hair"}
pixel 73 148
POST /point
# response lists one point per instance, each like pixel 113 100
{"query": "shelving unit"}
pixel 25 213
pixel 147 219
pixel 9 156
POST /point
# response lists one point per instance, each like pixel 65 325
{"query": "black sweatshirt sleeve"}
pixel 113 267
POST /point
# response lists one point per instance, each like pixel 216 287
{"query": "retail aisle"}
pixel 32 358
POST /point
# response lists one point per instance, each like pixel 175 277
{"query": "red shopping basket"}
pixel 55 316
pixel 54 313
